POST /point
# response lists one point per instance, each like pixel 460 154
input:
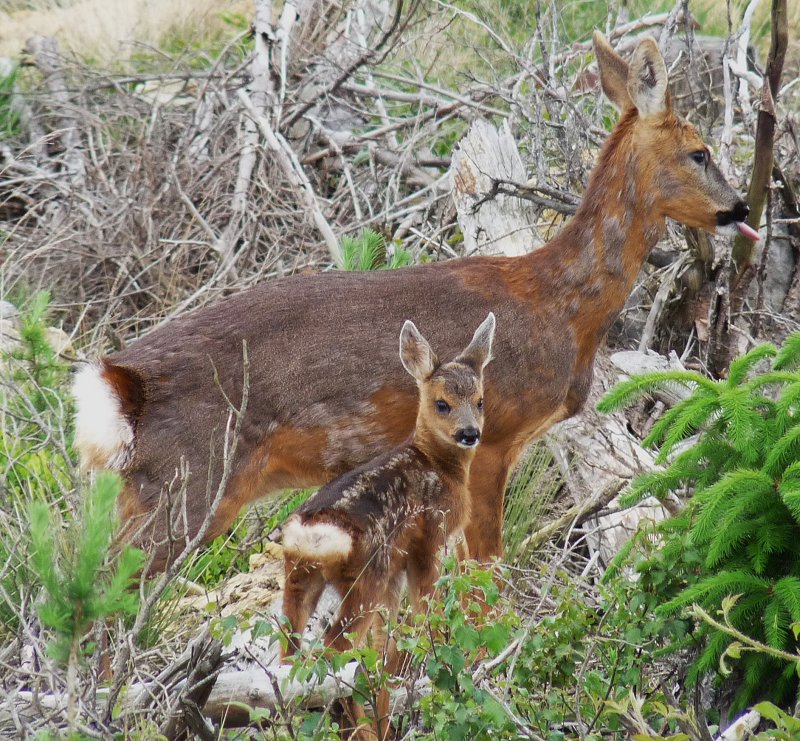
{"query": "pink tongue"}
pixel 748 231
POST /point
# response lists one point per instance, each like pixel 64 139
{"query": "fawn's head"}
pixel 670 157
pixel 450 394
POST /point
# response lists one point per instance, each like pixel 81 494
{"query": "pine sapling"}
pixel 82 580
pixel 732 448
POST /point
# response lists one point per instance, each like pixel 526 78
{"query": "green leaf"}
pixel 740 489
pixel 495 637
pixel 787 590
pixel 783 452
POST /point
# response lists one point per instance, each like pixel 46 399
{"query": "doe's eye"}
pixel 700 156
pixel 442 406
pixel 480 403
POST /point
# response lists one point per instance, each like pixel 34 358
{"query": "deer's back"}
pixel 327 389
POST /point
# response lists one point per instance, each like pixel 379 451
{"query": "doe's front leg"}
pixel 487 485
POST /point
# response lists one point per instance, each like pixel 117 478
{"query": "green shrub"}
pixel 10 118
pixel 369 252
pixel 739 533
pixel 485 670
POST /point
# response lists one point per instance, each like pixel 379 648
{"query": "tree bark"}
pixel 734 279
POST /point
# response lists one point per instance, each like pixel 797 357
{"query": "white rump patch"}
pixel 103 436
pixel 316 540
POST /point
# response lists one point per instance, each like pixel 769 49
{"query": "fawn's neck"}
pixel 587 271
pixel 449 460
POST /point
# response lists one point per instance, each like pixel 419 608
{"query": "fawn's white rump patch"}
pixel 103 436
pixel 316 540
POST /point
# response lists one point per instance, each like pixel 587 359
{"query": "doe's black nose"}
pixel 469 436
pixel 736 214
pixel 740 211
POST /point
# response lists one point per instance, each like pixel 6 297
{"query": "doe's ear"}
pixel 416 354
pixel 648 84
pixel 613 73
pixel 479 351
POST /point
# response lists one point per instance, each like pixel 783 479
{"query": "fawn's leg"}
pixel 303 586
pixel 462 549
pixel 391 658
pixel 356 615
pixel 423 567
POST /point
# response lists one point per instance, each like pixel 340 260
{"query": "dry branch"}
pixel 733 282
pixel 263 94
pixel 294 173
pixel 765 139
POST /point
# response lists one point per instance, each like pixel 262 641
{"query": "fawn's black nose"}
pixel 468 437
pixel 737 214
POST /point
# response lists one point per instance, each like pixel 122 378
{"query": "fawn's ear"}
pixel 479 352
pixel 415 353
pixel 613 73
pixel 648 83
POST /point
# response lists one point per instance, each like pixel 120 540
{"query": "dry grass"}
pixel 100 29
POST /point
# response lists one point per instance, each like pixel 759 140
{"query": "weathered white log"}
pixel 636 362
pixel 256 687
pixel 260 688
pixel 234 693
pixel 604 457
pixel 742 728
pixel 501 225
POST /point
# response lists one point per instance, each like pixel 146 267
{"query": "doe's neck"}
pixel 589 268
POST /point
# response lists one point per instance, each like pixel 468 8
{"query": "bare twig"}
pixel 293 171
pixel 44 49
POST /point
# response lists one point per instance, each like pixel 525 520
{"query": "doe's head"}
pixel 450 394
pixel 671 158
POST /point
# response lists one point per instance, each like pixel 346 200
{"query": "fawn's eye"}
pixel 442 406
pixel 700 157
pixel 480 403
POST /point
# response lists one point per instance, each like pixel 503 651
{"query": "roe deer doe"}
pixel 374 527
pixel 325 392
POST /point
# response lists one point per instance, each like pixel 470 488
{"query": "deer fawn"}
pixel 325 395
pixel 373 527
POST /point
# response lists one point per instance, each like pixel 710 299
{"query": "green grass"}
pixel 10 119
pixel 528 498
